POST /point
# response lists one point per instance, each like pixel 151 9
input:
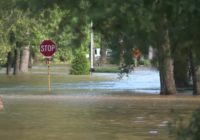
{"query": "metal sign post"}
pixel 49 74
pixel 91 50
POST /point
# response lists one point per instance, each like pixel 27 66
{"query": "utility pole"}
pixel 91 48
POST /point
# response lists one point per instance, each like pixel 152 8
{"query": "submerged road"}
pixel 140 80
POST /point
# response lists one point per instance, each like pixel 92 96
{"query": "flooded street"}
pixel 97 107
pixel 140 80
pixel 86 117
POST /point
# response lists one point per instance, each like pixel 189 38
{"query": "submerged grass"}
pixel 107 69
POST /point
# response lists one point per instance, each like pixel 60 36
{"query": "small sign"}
pixel 47 48
pixel 136 53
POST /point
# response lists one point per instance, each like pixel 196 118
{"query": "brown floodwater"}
pixel 31 113
pixel 89 117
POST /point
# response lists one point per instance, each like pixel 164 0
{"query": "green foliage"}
pixel 66 22
pixel 20 28
pixel 31 21
pixel 183 129
pixel 194 126
pixel 63 55
pixel 145 62
pixel 80 64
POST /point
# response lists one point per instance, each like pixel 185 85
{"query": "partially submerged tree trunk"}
pixel 197 81
pixel 16 61
pixel 166 66
pixel 25 57
pixel 181 70
pixel 103 56
pixel 195 71
pixel 1 104
pixel 9 63
pixel 162 84
pixel 30 63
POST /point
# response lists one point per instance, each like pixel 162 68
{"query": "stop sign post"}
pixel 48 48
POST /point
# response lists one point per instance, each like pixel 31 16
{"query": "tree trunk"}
pixel 1 104
pixel 103 55
pixel 121 56
pixel 162 85
pixel 16 61
pixel 181 70
pixel 30 59
pixel 25 55
pixel 9 63
pixel 166 66
pixel 196 90
pixel 195 72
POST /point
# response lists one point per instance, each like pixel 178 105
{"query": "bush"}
pixel 80 65
pixel 185 130
pixel 193 128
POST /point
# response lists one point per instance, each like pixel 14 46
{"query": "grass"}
pixel 107 69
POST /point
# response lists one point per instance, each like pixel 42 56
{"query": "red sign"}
pixel 47 48
pixel 136 53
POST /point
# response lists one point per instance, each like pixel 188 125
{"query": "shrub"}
pixel 194 126
pixel 80 65
pixel 187 130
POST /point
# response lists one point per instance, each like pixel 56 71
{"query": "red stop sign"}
pixel 47 48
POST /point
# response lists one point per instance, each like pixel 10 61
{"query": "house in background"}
pixel 97 54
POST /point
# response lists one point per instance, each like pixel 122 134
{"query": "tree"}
pixel 4 26
pixel 162 24
pixel 127 28
pixel 80 64
pixel 16 34
pixel 192 23
pixel 186 26
pixel 20 34
pixel 26 27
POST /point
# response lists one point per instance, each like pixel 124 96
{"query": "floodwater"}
pixel 140 80
pixel 86 117
pixel 97 107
